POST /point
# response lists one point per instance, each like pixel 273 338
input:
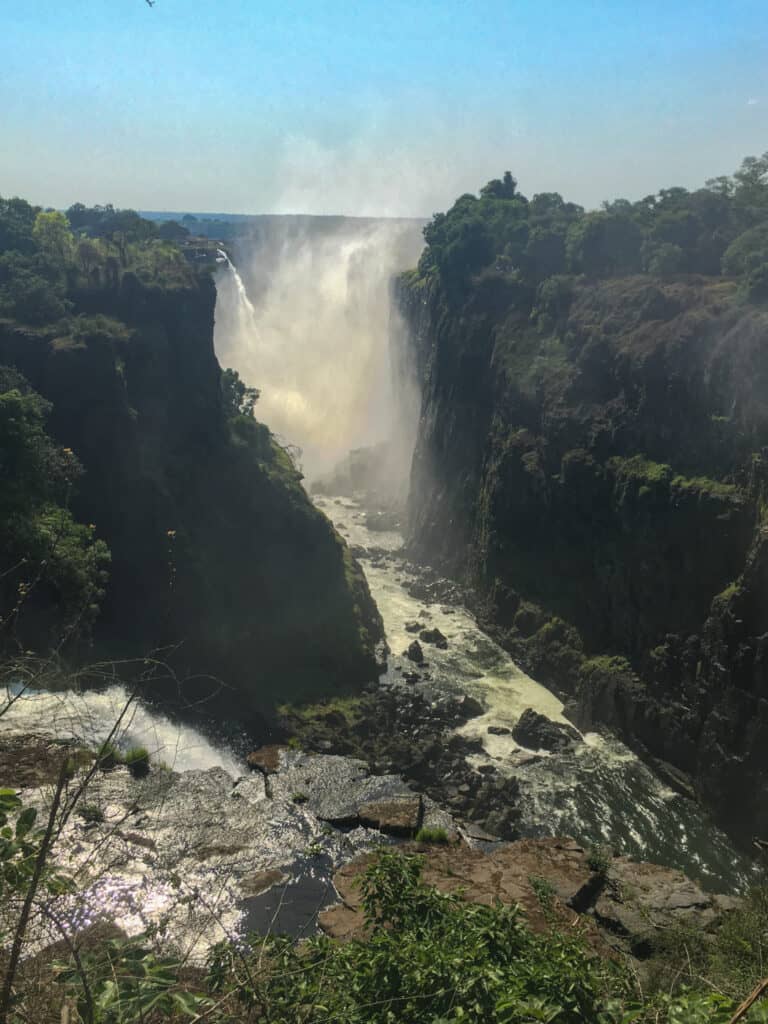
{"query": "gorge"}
pixel 524 601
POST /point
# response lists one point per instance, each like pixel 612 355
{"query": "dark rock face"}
pixel 538 732
pixel 216 549
pixel 598 478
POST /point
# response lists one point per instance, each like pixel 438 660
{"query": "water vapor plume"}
pixel 305 315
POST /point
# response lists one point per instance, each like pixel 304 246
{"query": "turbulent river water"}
pixel 207 851
pixel 599 792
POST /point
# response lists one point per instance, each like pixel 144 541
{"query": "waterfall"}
pixel 246 314
pixel 316 338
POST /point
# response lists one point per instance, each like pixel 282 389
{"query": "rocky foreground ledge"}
pixel 627 906
pixel 200 856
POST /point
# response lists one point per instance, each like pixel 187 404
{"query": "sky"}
pixel 373 107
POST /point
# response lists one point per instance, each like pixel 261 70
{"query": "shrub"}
pixel 92 814
pixel 136 759
pixel 431 835
pixel 108 757
pixel 599 859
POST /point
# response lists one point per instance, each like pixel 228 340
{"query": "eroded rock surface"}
pixel 628 908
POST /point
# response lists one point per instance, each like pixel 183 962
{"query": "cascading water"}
pixel 246 314
pixel 317 345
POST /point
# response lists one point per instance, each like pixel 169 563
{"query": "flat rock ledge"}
pixel 624 910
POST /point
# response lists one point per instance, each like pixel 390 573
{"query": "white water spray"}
pixel 316 337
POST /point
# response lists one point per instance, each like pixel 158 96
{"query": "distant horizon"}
pixel 179 214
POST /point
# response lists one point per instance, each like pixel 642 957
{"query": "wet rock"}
pixel 469 707
pixel 521 758
pixel 399 816
pixel 265 760
pixel 471 830
pixel 499 730
pixel 415 653
pixel 413 627
pixel 540 733
pixel 254 885
pixel 435 637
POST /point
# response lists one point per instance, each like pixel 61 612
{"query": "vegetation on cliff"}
pixel 592 457
pixel 216 551
pixel 720 228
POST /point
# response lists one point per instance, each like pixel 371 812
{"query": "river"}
pixel 598 792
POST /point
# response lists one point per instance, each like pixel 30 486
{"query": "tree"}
pixel 17 218
pixel 748 252
pixel 605 242
pixel 51 232
pixel 664 259
pixel 500 189
pixel 42 549
pixel 238 399
pixel 88 255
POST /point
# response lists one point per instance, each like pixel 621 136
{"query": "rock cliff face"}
pixel 597 470
pixel 215 546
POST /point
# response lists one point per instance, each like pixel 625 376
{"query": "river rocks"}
pixel 499 730
pixel 199 849
pixel 398 816
pixel 469 707
pixel 540 733
pixel 435 637
pixel 265 760
pixel 415 653
pixel 413 627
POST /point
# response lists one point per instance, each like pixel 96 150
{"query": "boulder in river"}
pixel 415 652
pixel 435 637
pixel 537 732
pixel 413 627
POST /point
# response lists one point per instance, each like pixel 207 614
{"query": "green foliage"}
pixel 53 236
pixel 544 891
pixel 237 398
pixel 17 219
pixel 436 836
pixel 128 983
pixel 29 291
pixel 664 259
pixel 41 545
pixel 136 760
pixel 674 231
pixel 20 844
pixel 604 243
pixel 747 252
pixel 599 860
pixel 427 957
pixel 91 814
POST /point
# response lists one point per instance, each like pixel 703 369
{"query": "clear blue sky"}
pixel 373 107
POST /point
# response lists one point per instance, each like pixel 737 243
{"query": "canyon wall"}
pixel 218 556
pixel 594 464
